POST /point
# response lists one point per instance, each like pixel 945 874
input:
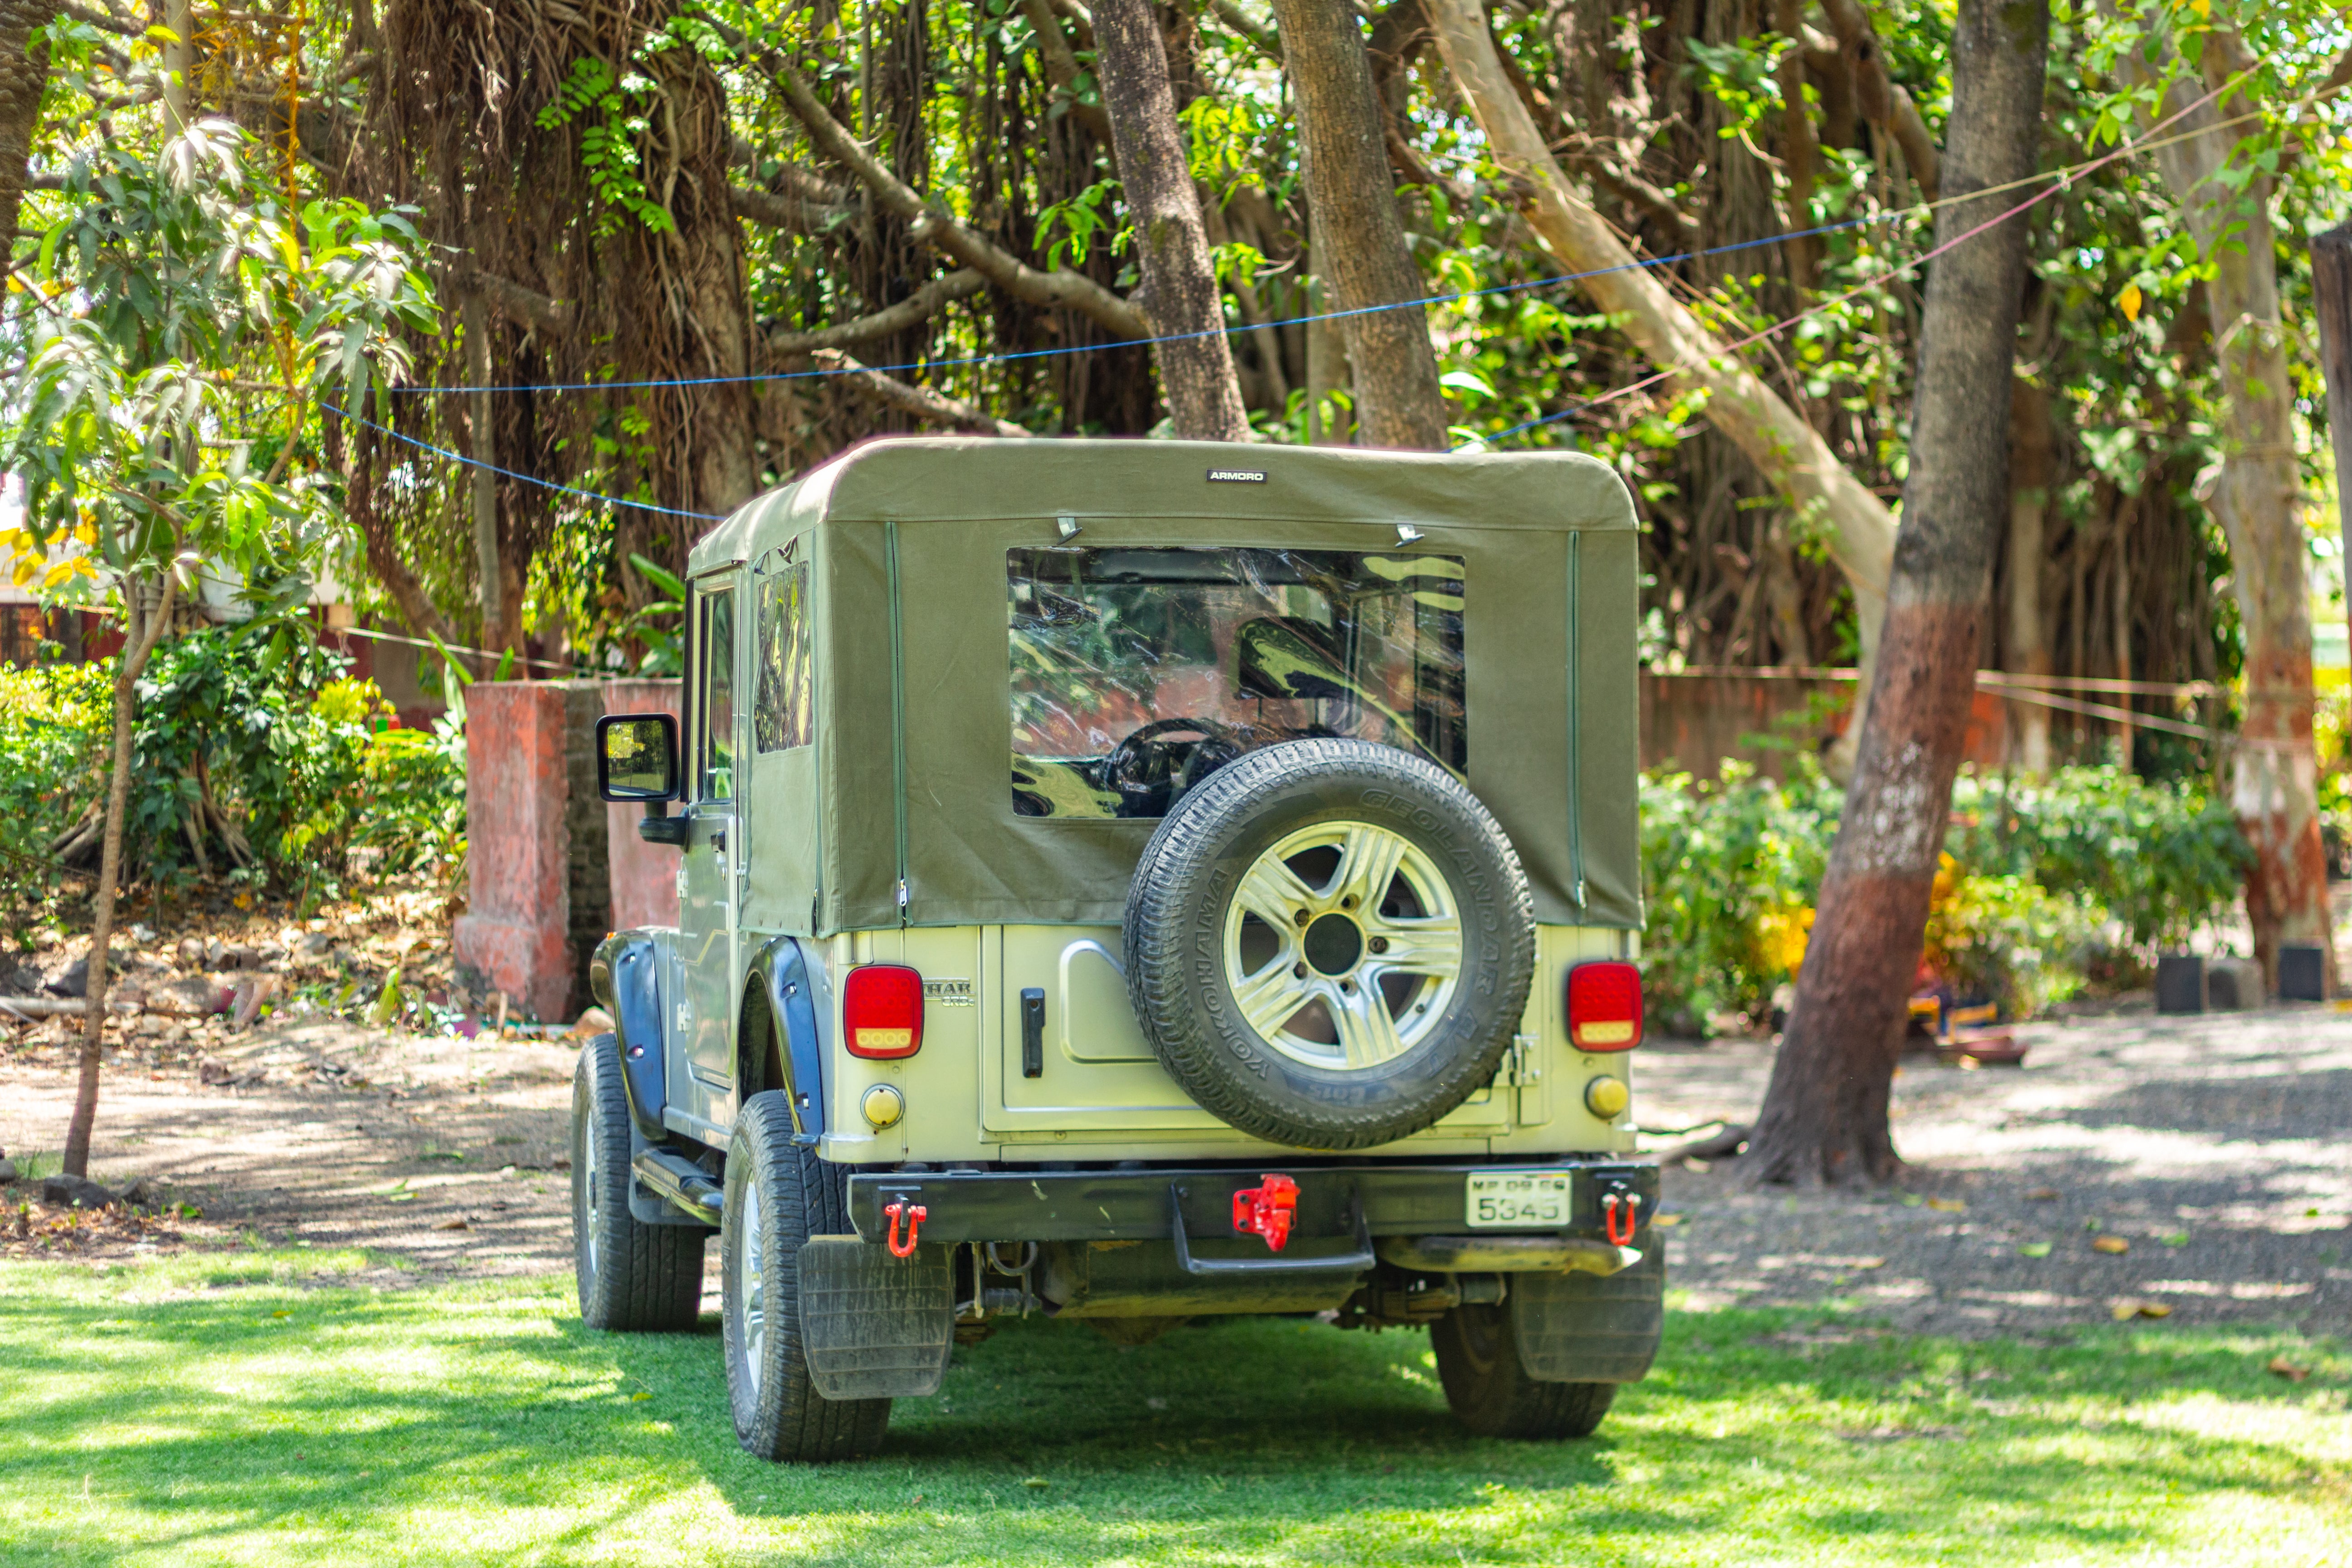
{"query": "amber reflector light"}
pixel 1604 1006
pixel 882 1011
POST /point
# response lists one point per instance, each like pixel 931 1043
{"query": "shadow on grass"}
pixel 326 1424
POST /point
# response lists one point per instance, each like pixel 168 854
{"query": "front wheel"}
pixel 779 1196
pixel 1490 1391
pixel 633 1278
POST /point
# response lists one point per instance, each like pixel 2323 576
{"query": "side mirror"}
pixel 636 757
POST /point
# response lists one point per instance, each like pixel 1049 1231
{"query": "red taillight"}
pixel 1604 1006
pixel 882 1011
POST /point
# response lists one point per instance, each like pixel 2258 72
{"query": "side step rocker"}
pixel 682 1182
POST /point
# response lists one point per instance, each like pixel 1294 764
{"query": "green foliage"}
pixel 2041 878
pixel 2009 940
pixel 613 113
pixel 53 727
pixel 269 736
pixel 2159 859
pixel 1729 871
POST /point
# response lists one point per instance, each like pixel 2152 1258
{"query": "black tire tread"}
pixel 789 1421
pixel 649 1277
pixel 1500 1400
pixel 1160 982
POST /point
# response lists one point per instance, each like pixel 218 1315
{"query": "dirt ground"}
pixel 446 1155
pixel 2211 1147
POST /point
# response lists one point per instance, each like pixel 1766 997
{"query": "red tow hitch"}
pixel 1267 1210
pixel 1610 1208
pixel 915 1215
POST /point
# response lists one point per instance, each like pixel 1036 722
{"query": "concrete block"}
pixel 2233 985
pixel 2302 973
pixel 2180 982
pixel 643 876
pixel 538 891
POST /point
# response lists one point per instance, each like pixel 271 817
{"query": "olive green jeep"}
pixel 1132 881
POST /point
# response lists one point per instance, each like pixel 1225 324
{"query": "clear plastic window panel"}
pixel 718 656
pixel 781 717
pixel 1136 673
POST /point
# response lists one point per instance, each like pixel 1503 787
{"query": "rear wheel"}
pixel 779 1196
pixel 633 1278
pixel 1491 1393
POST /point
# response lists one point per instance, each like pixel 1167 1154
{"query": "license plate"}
pixel 1516 1200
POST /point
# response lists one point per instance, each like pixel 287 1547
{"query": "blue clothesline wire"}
pixel 510 474
pixel 1638 262
pixel 1084 348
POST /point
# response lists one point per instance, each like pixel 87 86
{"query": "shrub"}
pixel 2041 877
pixel 2162 859
pixel 2007 940
pixel 1729 869
pixel 258 756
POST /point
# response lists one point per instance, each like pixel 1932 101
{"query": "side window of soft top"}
pixel 784 716
pixel 715 700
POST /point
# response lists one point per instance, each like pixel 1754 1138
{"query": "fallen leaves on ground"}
pixel 2035 1249
pixel 1948 1206
pixel 2132 1308
pixel 2293 1372
pixel 2043 1194
pixel 2110 1244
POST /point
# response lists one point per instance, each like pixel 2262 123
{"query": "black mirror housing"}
pixel 636 757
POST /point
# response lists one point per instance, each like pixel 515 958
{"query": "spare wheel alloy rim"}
pixel 1343 946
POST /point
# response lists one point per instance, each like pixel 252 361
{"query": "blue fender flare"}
pixel 626 976
pixel 785 978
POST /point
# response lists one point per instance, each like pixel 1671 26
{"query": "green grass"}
pixel 246 1408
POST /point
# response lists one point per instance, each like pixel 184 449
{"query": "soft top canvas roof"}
pixel 908 539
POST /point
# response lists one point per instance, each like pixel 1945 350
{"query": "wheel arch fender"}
pixel 784 982
pixel 626 974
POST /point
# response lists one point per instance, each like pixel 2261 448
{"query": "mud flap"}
pixel 1585 1328
pixel 874 1326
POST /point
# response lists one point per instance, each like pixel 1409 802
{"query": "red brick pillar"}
pixel 538 895
pixel 644 875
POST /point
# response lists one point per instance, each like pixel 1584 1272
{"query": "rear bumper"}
pixel 1407 1200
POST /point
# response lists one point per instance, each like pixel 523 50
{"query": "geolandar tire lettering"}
pixel 1329 943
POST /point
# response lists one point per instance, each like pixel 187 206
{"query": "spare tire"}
pixel 1329 943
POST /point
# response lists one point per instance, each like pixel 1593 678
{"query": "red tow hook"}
pixel 1267 1210
pixel 1610 1207
pixel 915 1215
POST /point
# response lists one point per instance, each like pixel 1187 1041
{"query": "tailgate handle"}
pixel 1032 1032
pixel 1362 1257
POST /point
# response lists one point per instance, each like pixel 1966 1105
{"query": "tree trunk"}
pixel 2032 469
pixel 1788 452
pixel 1352 212
pixel 1824 1116
pixel 2257 497
pixel 24 70
pixel 140 633
pixel 1180 292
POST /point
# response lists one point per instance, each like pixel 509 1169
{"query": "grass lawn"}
pixel 242 1407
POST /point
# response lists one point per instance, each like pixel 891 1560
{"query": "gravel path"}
pixel 2213 1147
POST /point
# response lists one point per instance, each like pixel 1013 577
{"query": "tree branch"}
pixel 1884 101
pixel 1260 36
pixel 1062 68
pixel 919 401
pixel 913 311
pixel 785 209
pixel 104 21
pixel 1058 290
pixel 512 301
